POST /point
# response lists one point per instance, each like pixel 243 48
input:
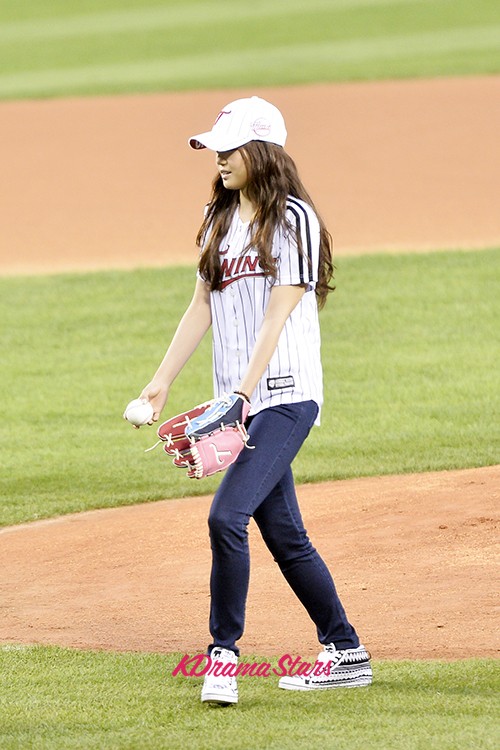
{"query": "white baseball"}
pixel 139 412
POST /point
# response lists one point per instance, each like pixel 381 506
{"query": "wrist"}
pixel 242 393
pixel 162 378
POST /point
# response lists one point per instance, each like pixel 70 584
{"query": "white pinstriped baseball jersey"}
pixel 294 373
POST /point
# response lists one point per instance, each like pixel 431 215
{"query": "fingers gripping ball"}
pixel 139 412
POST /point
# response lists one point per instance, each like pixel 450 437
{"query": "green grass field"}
pixel 59 48
pixel 410 366
pixel 58 699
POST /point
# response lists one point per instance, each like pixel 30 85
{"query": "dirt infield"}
pixel 99 183
pixel 413 558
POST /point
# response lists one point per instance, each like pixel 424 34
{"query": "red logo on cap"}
pixel 224 112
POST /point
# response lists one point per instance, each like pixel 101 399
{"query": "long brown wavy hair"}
pixel 272 177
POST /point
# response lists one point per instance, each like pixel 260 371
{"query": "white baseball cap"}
pixel 240 122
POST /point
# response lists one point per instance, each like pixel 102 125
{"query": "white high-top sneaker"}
pixel 219 686
pixel 349 667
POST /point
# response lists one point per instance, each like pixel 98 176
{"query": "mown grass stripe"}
pixel 175 16
pixel 206 67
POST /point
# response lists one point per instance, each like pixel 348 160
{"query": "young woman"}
pixel 265 267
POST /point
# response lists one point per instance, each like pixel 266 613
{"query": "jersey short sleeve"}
pixel 293 266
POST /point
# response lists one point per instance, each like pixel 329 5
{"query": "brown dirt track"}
pixel 98 183
pixel 413 558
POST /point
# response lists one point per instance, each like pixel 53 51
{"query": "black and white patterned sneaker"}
pixel 220 686
pixel 349 667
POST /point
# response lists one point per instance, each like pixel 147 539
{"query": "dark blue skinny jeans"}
pixel 260 484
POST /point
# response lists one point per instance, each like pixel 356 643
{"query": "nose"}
pixel 221 157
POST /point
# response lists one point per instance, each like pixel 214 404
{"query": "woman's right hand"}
pixel 157 395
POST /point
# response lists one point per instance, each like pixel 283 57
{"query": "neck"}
pixel 247 209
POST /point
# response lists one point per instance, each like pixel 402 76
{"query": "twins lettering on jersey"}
pixel 234 269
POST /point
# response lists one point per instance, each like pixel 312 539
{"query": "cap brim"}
pixel 197 141
pixel 209 140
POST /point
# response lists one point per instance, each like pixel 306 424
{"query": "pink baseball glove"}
pixel 208 438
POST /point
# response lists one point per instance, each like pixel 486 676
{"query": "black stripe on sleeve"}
pixel 308 232
pixel 301 259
